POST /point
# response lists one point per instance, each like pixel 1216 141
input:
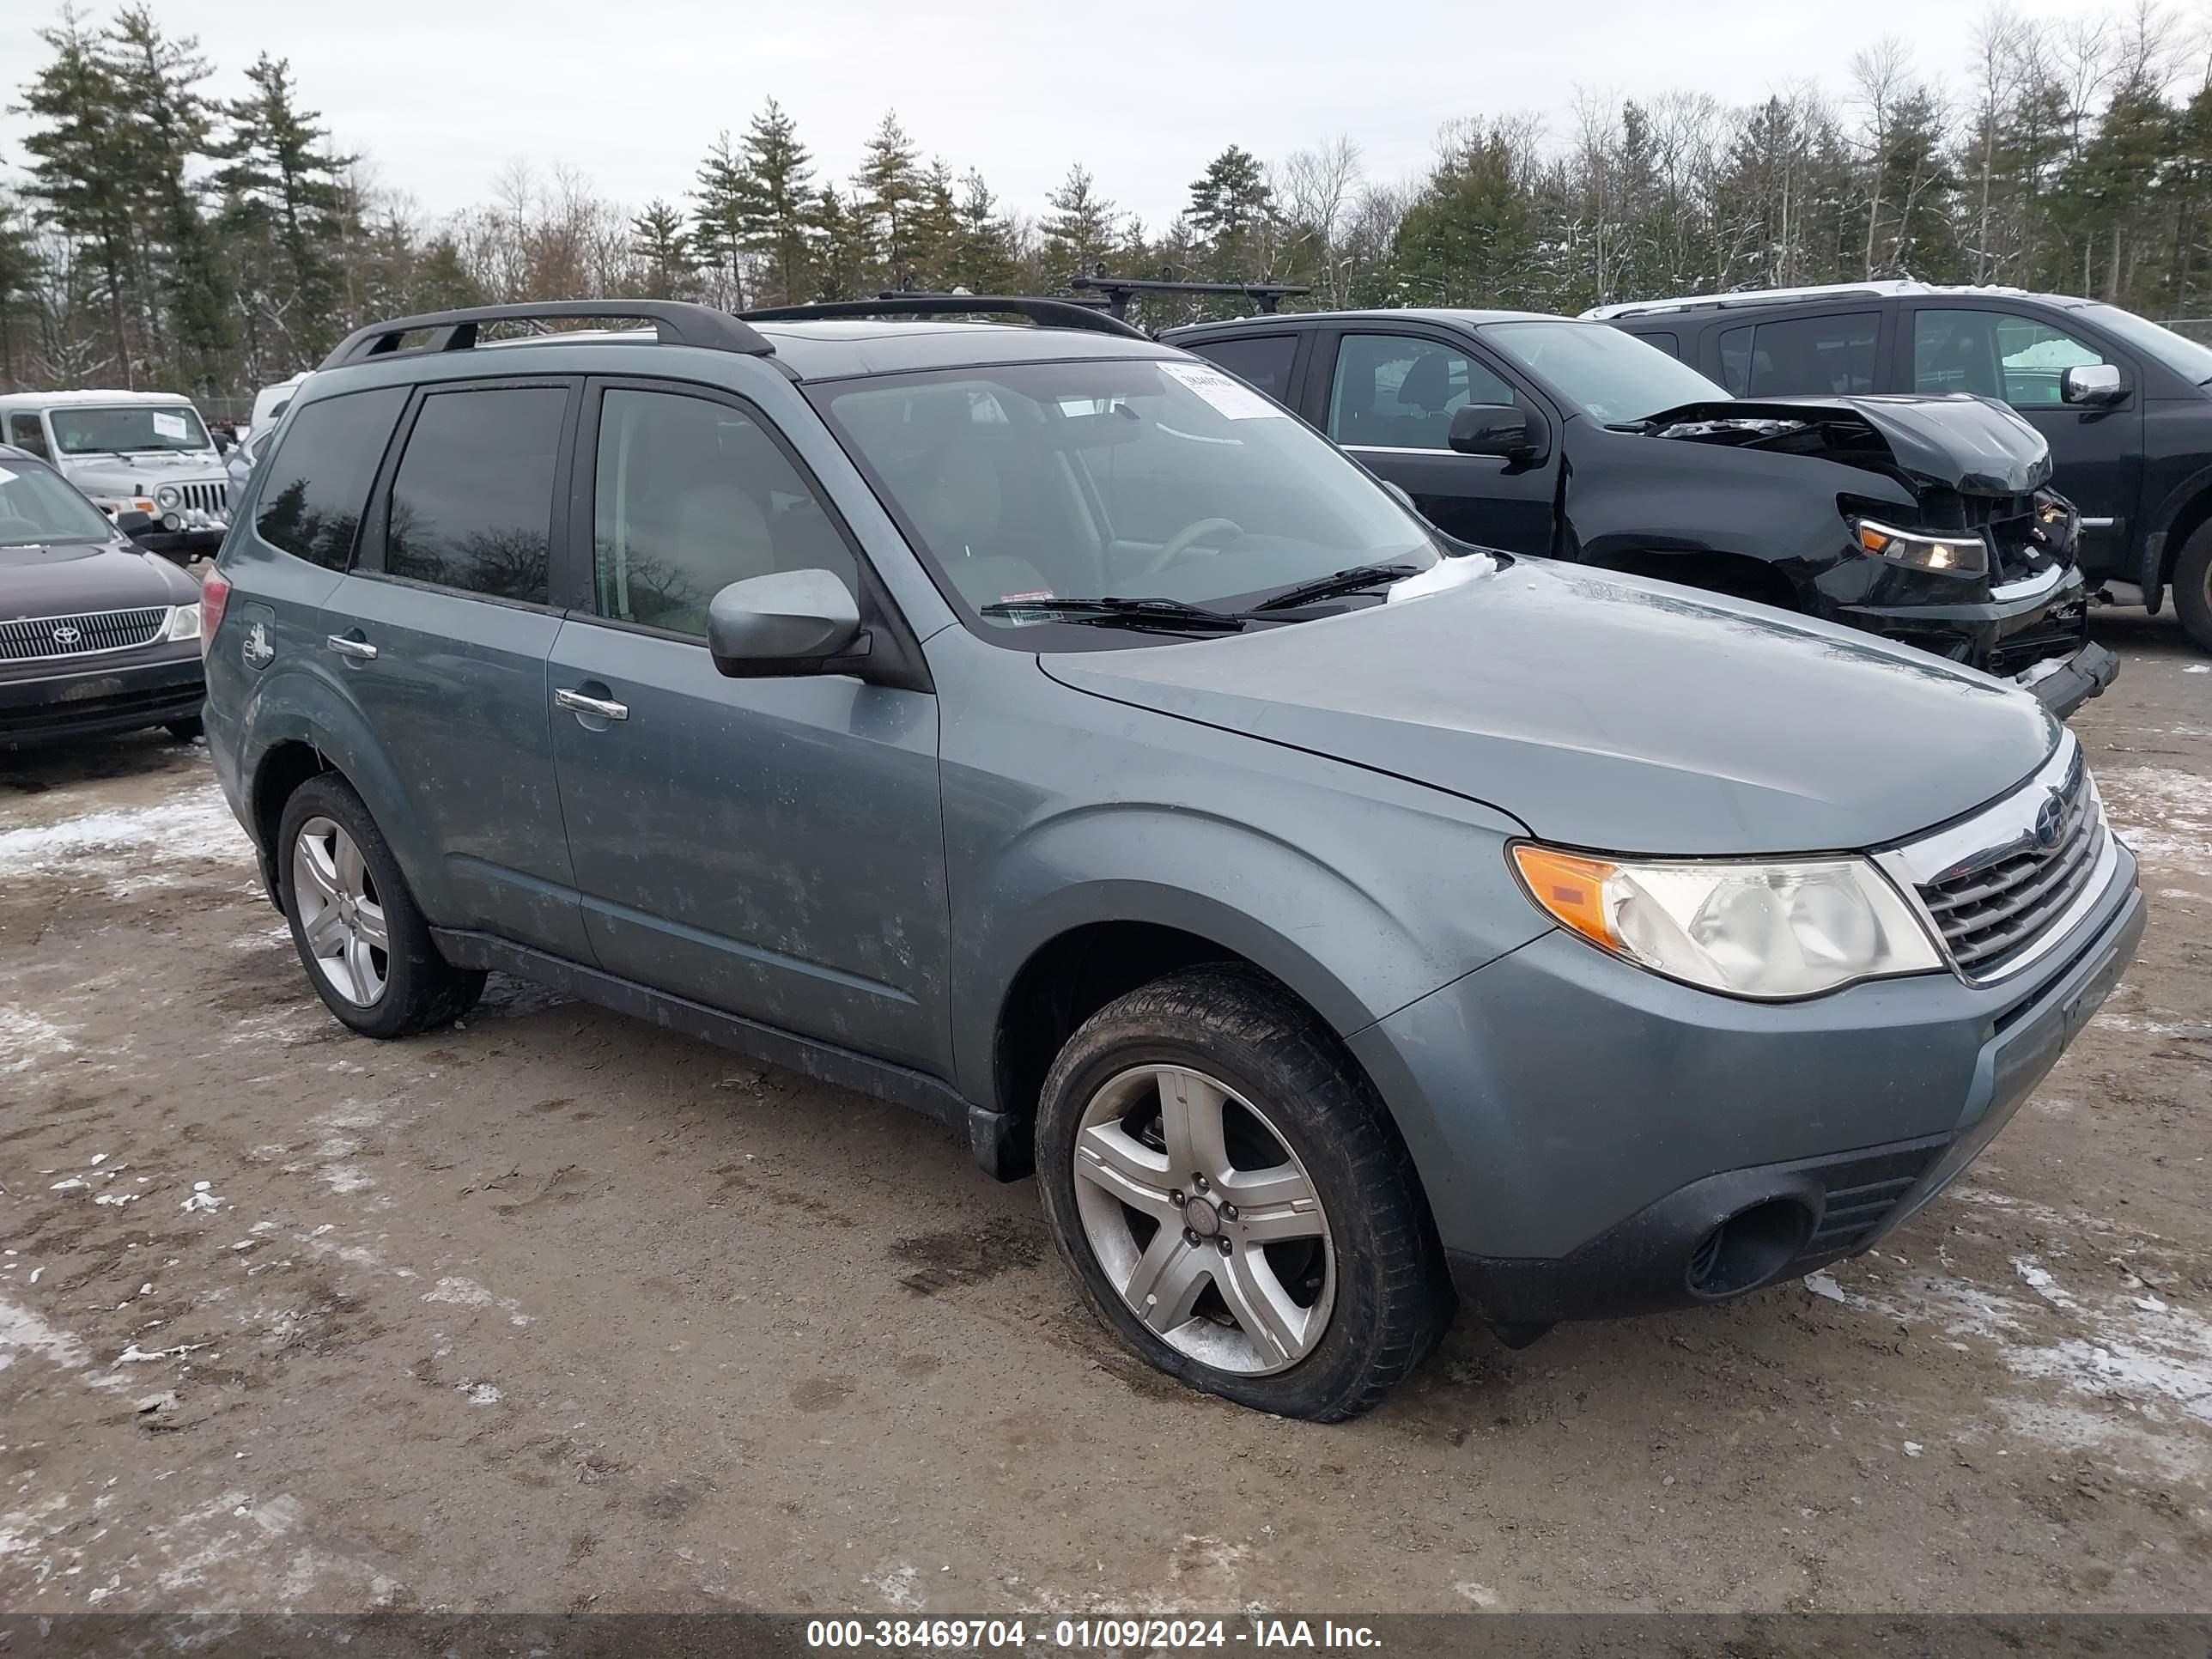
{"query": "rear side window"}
pixel 1665 343
pixel 25 432
pixel 318 485
pixel 1264 362
pixel 1802 354
pixel 472 501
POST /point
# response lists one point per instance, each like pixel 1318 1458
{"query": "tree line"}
pixel 154 234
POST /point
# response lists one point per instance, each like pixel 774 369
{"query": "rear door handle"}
pixel 345 646
pixel 604 707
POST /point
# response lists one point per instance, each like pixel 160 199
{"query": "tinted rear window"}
pixel 472 501
pixel 317 484
pixel 1264 362
pixel 1802 354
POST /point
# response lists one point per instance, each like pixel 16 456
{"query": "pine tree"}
pixel 1082 229
pixel 721 199
pixel 886 190
pixel 83 167
pixel 983 257
pixel 1230 207
pixel 776 212
pixel 284 195
pixel 166 124
pixel 659 243
pixel 18 273
pixel 935 234
pixel 848 250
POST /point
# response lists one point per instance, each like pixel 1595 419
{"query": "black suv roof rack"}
pixel 675 322
pixel 1045 314
pixel 1120 290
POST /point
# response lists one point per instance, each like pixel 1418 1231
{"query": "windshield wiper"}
pixel 1359 579
pixel 1111 613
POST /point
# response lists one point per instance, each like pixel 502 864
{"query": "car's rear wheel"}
pixel 2192 587
pixel 185 730
pixel 1225 1188
pixel 365 947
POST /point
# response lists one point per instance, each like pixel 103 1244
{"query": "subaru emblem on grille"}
pixel 65 635
pixel 2048 818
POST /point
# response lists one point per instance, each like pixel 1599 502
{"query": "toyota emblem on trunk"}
pixel 63 634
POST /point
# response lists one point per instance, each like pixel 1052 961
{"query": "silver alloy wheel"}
pixel 340 916
pixel 1231 1263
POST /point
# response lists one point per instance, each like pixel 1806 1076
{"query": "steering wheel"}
pixel 1182 541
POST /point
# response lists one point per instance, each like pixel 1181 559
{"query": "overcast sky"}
pixel 440 95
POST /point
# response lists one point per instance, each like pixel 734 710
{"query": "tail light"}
pixel 215 595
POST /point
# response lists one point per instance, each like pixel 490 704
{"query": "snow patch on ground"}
pixel 26 1039
pixel 22 1331
pixel 193 827
pixel 2162 813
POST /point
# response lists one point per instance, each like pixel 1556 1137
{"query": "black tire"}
pixel 186 730
pixel 1392 1299
pixel 422 990
pixel 2193 588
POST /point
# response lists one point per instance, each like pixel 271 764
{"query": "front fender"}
pixel 2176 503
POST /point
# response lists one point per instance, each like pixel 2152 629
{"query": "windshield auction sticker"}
pixel 1230 398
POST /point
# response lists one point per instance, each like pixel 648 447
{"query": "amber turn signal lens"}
pixel 1872 539
pixel 1569 889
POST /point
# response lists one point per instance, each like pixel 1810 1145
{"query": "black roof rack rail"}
pixel 1045 314
pixel 675 322
pixel 1120 290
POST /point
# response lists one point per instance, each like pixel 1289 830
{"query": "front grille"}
pixel 32 638
pixel 2001 903
pixel 203 497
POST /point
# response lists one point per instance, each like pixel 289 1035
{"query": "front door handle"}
pixel 604 709
pixel 347 646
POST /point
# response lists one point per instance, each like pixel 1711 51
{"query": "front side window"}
pixel 1802 356
pixel 1994 354
pixel 690 496
pixel 1398 392
pixel 128 429
pixel 24 431
pixel 38 508
pixel 1612 377
pixel 1264 361
pixel 1123 476
pixel 317 484
pixel 472 501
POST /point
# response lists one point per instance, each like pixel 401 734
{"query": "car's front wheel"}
pixel 1227 1190
pixel 367 948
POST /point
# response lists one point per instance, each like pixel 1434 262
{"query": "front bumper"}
pixel 2019 626
pixel 183 546
pixel 1594 1140
pixel 114 696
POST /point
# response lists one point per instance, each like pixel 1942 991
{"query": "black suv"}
pixel 1922 520
pixel 2126 403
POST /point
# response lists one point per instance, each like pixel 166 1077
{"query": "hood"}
pixel 66 578
pixel 137 474
pixel 1960 443
pixel 1611 712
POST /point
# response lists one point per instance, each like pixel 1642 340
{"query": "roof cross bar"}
pixel 675 322
pixel 1045 314
pixel 1120 290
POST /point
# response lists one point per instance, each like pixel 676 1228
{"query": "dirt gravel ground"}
pixel 554 1311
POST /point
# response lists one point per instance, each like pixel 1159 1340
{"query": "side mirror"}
pixel 795 622
pixel 2097 384
pixel 1500 429
pixel 136 524
pixel 1401 495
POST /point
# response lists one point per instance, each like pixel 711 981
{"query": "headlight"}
pixel 1961 554
pixel 168 495
pixel 184 623
pixel 1778 929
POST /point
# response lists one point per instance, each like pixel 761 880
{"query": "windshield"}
pixel 2192 362
pixel 38 506
pixel 1612 377
pixel 1123 478
pixel 127 426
